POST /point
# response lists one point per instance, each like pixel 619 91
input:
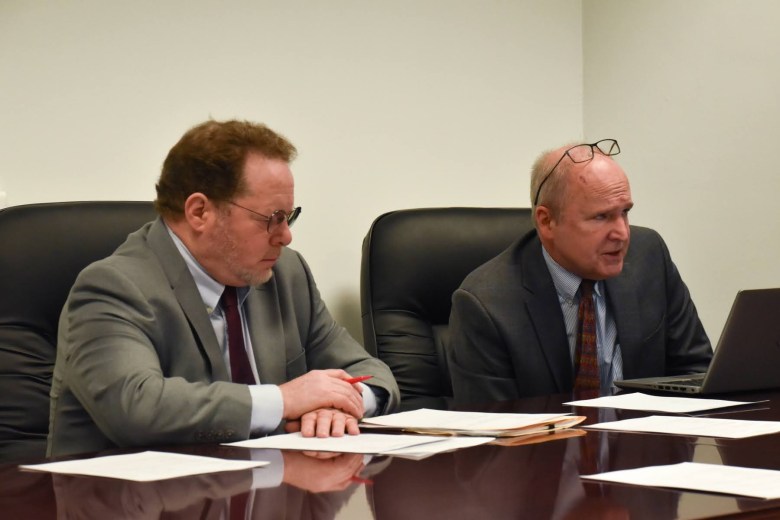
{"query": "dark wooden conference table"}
pixel 535 481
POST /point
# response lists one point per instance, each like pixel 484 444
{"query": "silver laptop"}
pixel 747 356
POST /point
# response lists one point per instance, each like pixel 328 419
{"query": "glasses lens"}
pixel 581 153
pixel 279 216
pixel 275 220
pixel 608 147
pixel 292 217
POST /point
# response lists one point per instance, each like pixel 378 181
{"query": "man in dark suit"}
pixel 514 320
pixel 148 353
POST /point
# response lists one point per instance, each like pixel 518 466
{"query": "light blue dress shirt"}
pixel 567 286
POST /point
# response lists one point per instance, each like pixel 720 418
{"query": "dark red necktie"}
pixel 240 369
pixel 586 359
pixel 238 506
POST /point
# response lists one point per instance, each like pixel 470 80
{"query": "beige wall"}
pixel 413 103
pixel 391 104
pixel 692 90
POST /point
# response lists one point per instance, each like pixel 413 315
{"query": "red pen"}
pixel 357 379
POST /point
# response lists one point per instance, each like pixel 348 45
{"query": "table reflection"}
pixel 25 494
pixel 531 481
pixel 298 485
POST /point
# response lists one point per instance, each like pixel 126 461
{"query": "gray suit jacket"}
pixel 138 362
pixel 507 334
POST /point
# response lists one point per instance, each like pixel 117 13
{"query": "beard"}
pixel 226 243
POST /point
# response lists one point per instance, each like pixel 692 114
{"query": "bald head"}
pixel 551 170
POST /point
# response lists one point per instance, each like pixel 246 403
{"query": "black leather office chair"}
pixel 43 247
pixel 413 260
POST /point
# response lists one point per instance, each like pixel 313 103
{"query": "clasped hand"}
pixel 322 403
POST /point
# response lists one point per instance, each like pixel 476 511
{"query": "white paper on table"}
pixel 714 478
pixel 432 448
pixel 146 466
pixel 652 403
pixel 425 418
pixel 699 426
pixel 369 443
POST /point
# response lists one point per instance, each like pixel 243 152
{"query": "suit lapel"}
pixel 624 304
pixel 546 315
pixel 189 298
pixel 266 333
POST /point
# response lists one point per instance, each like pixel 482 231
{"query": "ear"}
pixel 545 222
pixel 199 212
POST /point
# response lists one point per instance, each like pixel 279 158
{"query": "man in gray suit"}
pixel 514 319
pixel 143 357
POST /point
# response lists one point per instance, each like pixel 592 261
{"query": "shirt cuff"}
pixel 267 408
pixel 370 401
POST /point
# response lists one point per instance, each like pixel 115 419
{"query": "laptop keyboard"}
pixel 691 381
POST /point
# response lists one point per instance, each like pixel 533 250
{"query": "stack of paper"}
pixel 536 438
pixel 410 446
pixel 482 424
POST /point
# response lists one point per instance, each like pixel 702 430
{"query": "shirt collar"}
pixel 566 283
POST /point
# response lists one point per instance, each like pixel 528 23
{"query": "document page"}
pixel 652 403
pixel 146 466
pixel 699 426
pixel 444 444
pixel 714 478
pixel 368 443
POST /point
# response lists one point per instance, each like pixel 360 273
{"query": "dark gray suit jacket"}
pixel 138 362
pixel 508 339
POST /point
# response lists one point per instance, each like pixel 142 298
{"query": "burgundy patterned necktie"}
pixel 586 359
pixel 240 369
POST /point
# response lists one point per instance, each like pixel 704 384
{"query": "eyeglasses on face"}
pixel 276 218
pixel 579 154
